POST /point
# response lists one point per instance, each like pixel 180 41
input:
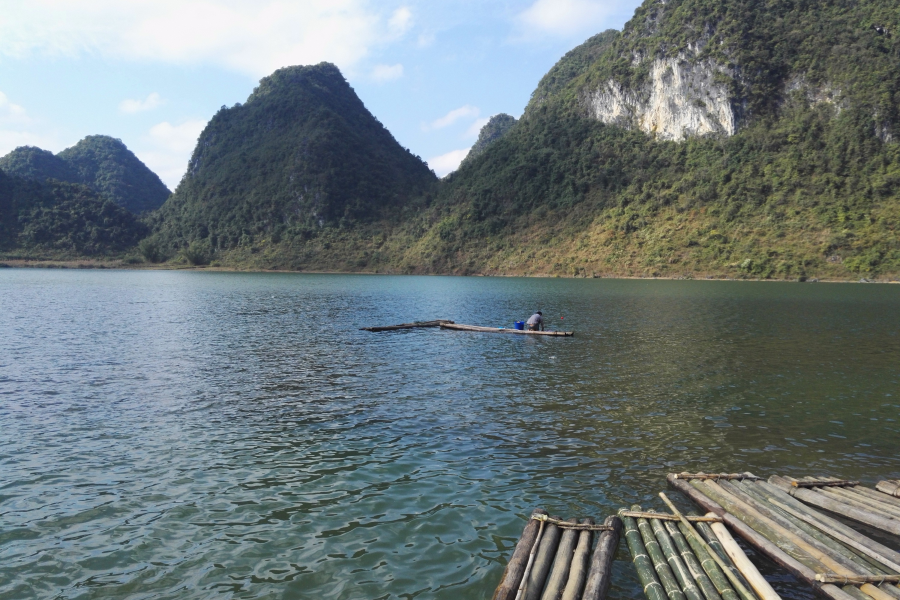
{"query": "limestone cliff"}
pixel 680 98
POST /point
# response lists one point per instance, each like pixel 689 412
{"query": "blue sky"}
pixel 152 72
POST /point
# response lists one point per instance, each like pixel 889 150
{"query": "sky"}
pixel 153 72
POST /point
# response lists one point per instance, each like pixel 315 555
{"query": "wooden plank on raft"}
pixel 759 542
pixel 481 329
pixel 600 575
pixel 515 568
pixel 412 325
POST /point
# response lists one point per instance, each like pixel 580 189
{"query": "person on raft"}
pixel 536 322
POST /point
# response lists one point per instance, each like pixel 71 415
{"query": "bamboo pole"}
pixel 759 542
pixel 692 562
pixel 415 324
pixel 780 536
pixel 504 330
pixel 663 571
pixel 652 587
pixel 747 568
pixel 542 562
pixel 515 568
pixel 892 590
pixel 871 590
pixel 685 580
pixel 528 566
pixel 889 487
pixel 876 551
pixel 854 592
pixel 664 517
pixel 600 575
pixel 827 482
pixel 578 570
pixel 559 572
pixel 819 499
pixel 876 495
pixel 834 578
pixel 713 571
pixel 887 565
pixel 865 502
pixel 714 476
pixel 739 586
pixel 812 535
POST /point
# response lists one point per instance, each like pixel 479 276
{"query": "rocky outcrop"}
pixel 681 98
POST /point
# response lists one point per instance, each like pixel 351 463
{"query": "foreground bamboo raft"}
pixel 504 330
pixel 775 518
pixel 554 560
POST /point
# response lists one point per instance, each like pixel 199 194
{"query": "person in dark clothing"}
pixel 536 322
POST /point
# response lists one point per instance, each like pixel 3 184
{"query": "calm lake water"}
pixel 225 435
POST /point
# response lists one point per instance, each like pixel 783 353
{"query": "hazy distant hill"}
pixel 301 155
pixel 103 163
pixel 55 219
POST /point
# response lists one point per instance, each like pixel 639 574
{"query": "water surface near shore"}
pixel 233 435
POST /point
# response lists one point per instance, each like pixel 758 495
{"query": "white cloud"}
pixel 426 40
pixel 133 106
pixel 567 18
pixel 400 21
pixel 169 148
pixel 384 73
pixel 447 163
pixel 463 112
pixel 19 129
pixel 11 114
pixel 250 36
pixel 475 128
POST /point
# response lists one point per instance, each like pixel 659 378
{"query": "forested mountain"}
pixel 55 219
pixel 301 155
pixel 100 162
pixel 726 138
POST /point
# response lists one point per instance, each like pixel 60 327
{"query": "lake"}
pixel 170 434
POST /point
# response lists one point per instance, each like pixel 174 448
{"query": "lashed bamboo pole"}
pixel 747 568
pixel 686 475
pixel 663 571
pixel 819 499
pixel 759 542
pixel 687 583
pixel 413 325
pixel 878 552
pixel 546 552
pixel 481 329
pixel 778 535
pixel 834 578
pixel 559 572
pixel 889 487
pixel 851 541
pixel 710 566
pixel 892 590
pixel 643 565
pixel 864 502
pixel 854 592
pixel 874 592
pixel 811 482
pixel 692 562
pixel 739 586
pixel 515 568
pixel 578 570
pixel 600 574
pixel 754 496
pixel 876 495
pixel 639 514
pixel 534 548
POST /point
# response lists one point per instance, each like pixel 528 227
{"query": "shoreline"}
pixel 90 264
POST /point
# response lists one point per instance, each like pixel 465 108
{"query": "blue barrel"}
pixel 520 325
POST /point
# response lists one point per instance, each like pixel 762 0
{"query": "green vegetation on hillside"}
pixel 302 154
pixel 100 162
pixel 496 127
pixel 55 219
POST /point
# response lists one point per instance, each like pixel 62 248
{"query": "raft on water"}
pixel 504 330
pixel 413 325
pixel 554 560
pixel 774 517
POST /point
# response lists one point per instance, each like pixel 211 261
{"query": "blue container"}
pixel 520 325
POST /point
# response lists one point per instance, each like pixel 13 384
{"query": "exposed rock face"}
pixel 680 99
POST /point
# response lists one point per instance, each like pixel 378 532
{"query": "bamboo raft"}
pixel 553 560
pixel 775 518
pixel 413 325
pixel 505 330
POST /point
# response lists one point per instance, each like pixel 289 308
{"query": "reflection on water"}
pixel 199 435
